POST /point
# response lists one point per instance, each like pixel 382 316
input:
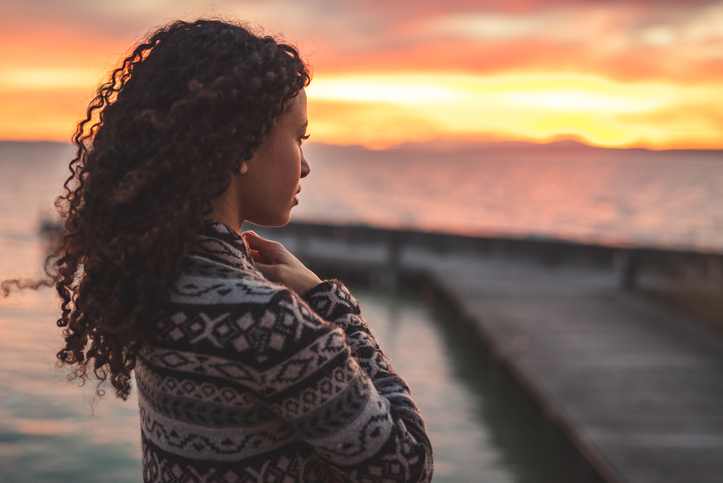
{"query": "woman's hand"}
pixel 278 265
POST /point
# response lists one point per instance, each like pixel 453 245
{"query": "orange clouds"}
pixel 384 110
pixel 604 63
pixel 620 40
pixel 50 115
pixel 43 94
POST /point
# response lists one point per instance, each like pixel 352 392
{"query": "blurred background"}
pixel 575 121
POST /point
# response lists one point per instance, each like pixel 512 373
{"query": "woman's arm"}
pixel 354 410
pixel 332 301
pixel 366 424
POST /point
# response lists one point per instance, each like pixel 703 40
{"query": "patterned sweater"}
pixel 245 381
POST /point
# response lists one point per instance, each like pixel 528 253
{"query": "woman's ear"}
pixel 244 168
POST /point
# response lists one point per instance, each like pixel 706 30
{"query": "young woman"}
pixel 248 367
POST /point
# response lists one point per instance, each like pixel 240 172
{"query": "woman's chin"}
pixel 272 221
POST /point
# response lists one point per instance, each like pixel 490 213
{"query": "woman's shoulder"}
pixel 205 281
pixel 246 319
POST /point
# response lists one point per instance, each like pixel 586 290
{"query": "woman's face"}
pixel 268 189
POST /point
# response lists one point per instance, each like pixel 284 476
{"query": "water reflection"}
pixel 50 430
pixel 463 447
pixel 563 191
pixel 482 425
pixel 483 428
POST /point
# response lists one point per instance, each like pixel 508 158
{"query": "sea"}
pixel 53 430
pixel 564 190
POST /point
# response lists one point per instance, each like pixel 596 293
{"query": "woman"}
pixel 248 367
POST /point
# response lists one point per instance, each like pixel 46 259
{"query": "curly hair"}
pixel 159 141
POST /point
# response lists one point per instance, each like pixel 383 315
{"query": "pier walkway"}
pixel 637 388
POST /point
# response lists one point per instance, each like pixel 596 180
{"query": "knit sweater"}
pixel 245 381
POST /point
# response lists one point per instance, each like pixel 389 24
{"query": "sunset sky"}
pixel 628 73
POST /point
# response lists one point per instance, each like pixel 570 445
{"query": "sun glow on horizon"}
pixel 618 74
pixel 534 107
pixel 565 92
pixel 380 111
pixel 26 78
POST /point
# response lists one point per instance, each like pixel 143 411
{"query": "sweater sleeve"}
pixel 332 301
pixel 349 404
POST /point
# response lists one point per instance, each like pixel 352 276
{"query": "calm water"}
pixel 568 191
pixel 50 430
pixel 53 431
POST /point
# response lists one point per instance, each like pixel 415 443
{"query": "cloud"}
pixel 495 26
pixel 540 107
pixel 43 79
pixel 65 46
pixel 693 122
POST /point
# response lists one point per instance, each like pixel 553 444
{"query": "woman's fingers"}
pixel 254 241
pixel 266 251
pixel 278 265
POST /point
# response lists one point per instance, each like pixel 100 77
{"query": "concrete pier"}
pixel 636 388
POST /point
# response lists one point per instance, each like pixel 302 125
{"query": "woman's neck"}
pixel 226 212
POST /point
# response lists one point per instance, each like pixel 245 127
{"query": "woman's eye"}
pixel 304 138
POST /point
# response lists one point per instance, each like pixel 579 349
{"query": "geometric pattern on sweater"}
pixel 263 382
pixel 201 388
pixel 292 465
pixel 328 298
pixel 221 444
pixel 317 394
pixel 328 418
pixel 333 300
pixel 195 291
pixel 254 330
pixel 221 244
pixel 245 381
pixel 206 413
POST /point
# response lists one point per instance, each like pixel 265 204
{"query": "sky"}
pixel 619 73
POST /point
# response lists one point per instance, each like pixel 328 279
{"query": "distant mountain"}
pixel 453 147
pixel 502 150
pixel 472 146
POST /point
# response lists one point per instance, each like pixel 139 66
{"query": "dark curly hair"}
pixel 158 143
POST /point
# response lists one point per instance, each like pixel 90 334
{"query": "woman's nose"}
pixel 305 168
